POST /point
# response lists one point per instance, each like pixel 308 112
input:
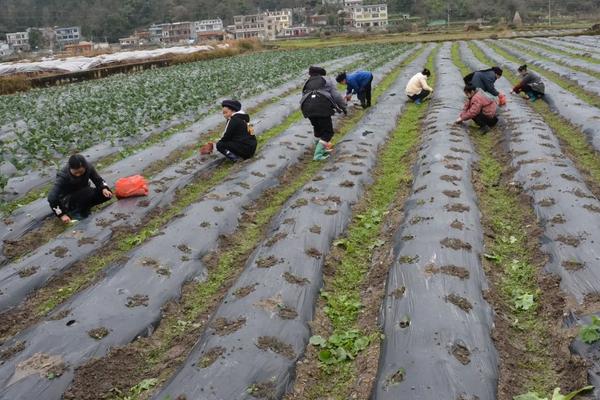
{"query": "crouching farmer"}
pixel 238 141
pixel 531 83
pixel 480 107
pixel 72 197
pixel 320 100
pixel 417 88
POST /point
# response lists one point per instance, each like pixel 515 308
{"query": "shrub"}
pixel 14 84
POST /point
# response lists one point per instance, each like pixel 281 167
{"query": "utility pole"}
pixel 549 15
pixel 448 18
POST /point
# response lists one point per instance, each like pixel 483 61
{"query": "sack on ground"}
pixel 131 186
pixel 501 99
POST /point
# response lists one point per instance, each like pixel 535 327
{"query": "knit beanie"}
pixel 233 105
pixel 315 71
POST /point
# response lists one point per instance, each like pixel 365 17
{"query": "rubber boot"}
pixel 231 157
pixel 321 152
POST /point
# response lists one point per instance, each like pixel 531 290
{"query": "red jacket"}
pixel 478 104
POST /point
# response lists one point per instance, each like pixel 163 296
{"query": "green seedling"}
pixel 556 395
pixel 590 333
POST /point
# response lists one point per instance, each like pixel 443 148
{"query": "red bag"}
pixel 501 99
pixel 131 186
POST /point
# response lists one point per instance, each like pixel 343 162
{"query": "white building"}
pixel 156 33
pixel 352 3
pixel 68 35
pixel 5 49
pixel 209 25
pixel 18 41
pixel 264 26
pixel 374 16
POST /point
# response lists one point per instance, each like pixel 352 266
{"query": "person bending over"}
pixel 479 107
pixel 358 82
pixel 417 88
pixel 72 197
pixel 531 83
pixel 485 80
pixel 320 100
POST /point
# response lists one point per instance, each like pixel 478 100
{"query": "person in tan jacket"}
pixel 417 88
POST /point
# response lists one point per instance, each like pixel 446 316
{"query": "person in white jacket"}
pixel 417 88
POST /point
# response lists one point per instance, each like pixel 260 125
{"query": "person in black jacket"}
pixel 238 141
pixel 320 100
pixel 72 197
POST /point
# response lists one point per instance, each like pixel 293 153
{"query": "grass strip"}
pixel 342 295
pixel 566 84
pixel 573 140
pixel 201 299
pixel 513 262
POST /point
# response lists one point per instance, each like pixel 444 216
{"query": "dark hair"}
pixel 233 105
pixel 523 68
pixel 469 88
pixel 497 70
pixel 77 161
pixel 317 71
pixel 426 72
pixel 341 77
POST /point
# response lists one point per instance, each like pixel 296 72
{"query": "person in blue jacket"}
pixel 358 82
pixel 485 80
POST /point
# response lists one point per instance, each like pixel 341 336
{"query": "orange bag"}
pixel 501 99
pixel 131 186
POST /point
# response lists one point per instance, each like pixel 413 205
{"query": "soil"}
pixel 300 203
pixel 264 391
pixel 244 291
pixel 98 333
pixel 49 229
pixel 11 351
pixel 312 252
pixel 418 219
pixel 549 202
pixel 569 240
pixel 408 259
pixel 184 249
pixel 355 173
pixel 277 346
pixel 452 270
pixel 454 167
pixel 311 189
pixel 287 312
pixel 224 327
pixel 450 178
pixel 295 280
pixel 275 238
pixel 558 219
pixel 24 273
pixel 210 356
pixel 330 211
pixel 457 207
pixel 60 252
pixel 459 302
pixel 456 224
pixel 316 229
pixel 452 193
pixel 267 262
pixel 540 186
pixel 218 209
pixel 457 150
pixel 461 353
pixel 573 265
pixel 43 364
pixel 569 177
pixel 85 240
pixel 592 208
pixel 456 244
pixel 137 301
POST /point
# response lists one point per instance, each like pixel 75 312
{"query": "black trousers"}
pixel 527 89
pixel 364 95
pixel 82 201
pixel 239 149
pixel 482 120
pixel 323 127
pixel 424 93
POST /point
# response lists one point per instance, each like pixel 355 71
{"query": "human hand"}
pixel 458 121
pixel 348 97
pixel 65 218
pixel 107 193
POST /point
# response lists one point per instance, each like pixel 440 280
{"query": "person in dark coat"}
pixel 485 80
pixel 531 83
pixel 358 82
pixel 238 141
pixel 72 197
pixel 320 100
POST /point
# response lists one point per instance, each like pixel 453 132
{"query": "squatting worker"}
pixel 480 107
pixel 358 82
pixel 72 197
pixel 417 88
pixel 531 83
pixel 320 100
pixel 238 141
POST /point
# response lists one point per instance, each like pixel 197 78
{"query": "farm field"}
pixel 422 260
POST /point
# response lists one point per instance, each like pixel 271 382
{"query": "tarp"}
pixel 436 323
pixel 128 302
pixel 263 352
pixel 77 64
